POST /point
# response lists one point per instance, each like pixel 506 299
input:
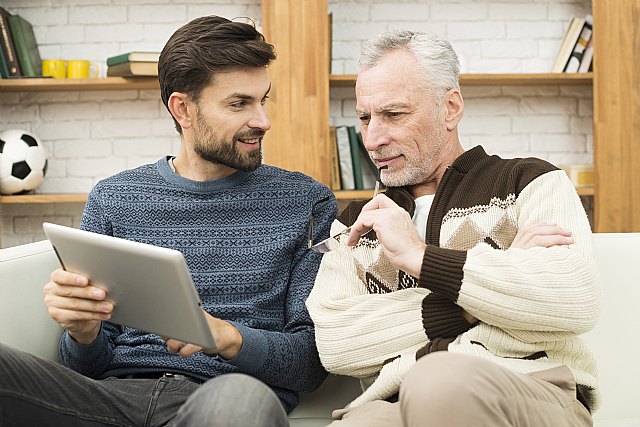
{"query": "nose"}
pixel 260 119
pixel 374 135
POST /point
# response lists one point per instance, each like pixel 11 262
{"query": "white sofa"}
pixel 24 324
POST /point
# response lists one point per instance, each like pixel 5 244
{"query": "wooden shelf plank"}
pixel 107 83
pixel 348 80
pixel 44 198
pixel 82 198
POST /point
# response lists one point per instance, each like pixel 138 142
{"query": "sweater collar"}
pixel 233 180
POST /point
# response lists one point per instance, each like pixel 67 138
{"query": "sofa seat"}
pixel 25 324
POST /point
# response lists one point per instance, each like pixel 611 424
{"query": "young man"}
pixel 242 228
pixel 464 305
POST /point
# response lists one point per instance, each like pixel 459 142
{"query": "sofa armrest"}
pixel 24 321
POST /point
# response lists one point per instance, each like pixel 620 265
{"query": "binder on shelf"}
pixel 569 41
pixel 573 64
pixel 334 173
pixel 344 156
pixel 369 169
pixel 355 158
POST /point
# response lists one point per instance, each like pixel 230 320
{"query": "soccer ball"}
pixel 23 161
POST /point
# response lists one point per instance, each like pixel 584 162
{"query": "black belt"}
pixel 158 375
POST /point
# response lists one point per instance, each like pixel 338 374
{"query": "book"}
pixel 4 69
pixel 355 158
pixel 369 169
pixel 334 172
pixel 578 50
pixel 568 42
pixel 129 69
pixel 587 58
pixel 26 46
pixel 344 157
pixel 7 49
pixel 133 57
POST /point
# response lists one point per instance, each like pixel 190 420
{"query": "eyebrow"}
pixel 387 107
pixel 244 96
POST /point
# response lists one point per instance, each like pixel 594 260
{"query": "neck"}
pixel 191 166
pixel 448 155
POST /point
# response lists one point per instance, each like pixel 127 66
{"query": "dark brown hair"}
pixel 205 46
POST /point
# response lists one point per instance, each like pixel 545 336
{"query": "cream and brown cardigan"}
pixel 373 321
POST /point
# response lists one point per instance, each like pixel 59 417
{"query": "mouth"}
pixel 250 141
pixel 386 162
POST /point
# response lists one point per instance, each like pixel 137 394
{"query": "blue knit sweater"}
pixel 244 240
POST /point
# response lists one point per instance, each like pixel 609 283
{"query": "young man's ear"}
pixel 455 107
pixel 180 106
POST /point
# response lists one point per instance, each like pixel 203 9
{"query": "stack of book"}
pixel 132 64
pixel 576 50
pixel 19 54
pixel 351 166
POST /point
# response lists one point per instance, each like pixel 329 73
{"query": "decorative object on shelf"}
pixel 23 161
pixel 56 68
pixel 582 176
pixel 81 69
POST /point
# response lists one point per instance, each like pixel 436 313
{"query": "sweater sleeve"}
pixel 90 360
pixel 536 294
pixel 356 332
pixel 289 358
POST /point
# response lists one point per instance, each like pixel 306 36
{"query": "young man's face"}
pixel 402 122
pixel 231 119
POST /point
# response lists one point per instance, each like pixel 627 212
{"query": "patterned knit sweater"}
pixel 244 240
pixel 373 321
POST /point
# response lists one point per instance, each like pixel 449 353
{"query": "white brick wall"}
pixel 93 134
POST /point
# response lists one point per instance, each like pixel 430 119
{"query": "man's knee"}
pixel 233 400
pixel 442 379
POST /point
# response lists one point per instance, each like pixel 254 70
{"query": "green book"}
pixel 134 57
pixel 26 47
pixel 369 169
pixel 4 68
pixel 355 157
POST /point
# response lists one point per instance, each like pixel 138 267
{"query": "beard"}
pixel 215 150
pixel 416 170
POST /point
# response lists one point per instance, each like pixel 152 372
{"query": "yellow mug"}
pixel 81 69
pixel 55 68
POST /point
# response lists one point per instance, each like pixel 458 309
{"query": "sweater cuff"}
pixel 82 352
pixel 442 318
pixel 254 351
pixel 442 271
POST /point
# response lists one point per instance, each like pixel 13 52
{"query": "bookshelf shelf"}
pixel 43 198
pixel 348 80
pixel 82 198
pixel 336 80
pixel 106 83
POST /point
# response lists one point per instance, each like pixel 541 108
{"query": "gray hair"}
pixel 437 61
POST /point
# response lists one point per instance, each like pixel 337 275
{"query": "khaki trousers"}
pixel 451 390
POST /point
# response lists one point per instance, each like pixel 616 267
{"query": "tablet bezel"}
pixel 151 286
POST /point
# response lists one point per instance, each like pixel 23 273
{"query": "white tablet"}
pixel 151 286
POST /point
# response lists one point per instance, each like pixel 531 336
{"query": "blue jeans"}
pixel 38 392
